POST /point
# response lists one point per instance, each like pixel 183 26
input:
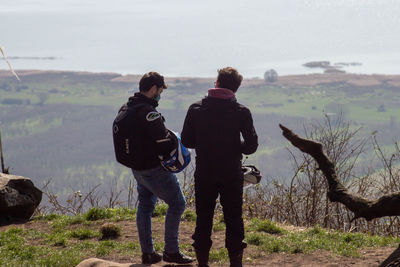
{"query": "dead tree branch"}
pixel 386 205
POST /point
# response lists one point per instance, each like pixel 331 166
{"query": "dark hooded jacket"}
pixel 152 140
pixel 214 127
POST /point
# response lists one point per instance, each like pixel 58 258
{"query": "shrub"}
pixel 271 76
pixel 266 226
pixel 12 101
pixel 95 214
pixel 160 210
pixel 189 215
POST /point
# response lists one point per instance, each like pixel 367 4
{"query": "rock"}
pixel 317 64
pixel 18 198
pixel 94 262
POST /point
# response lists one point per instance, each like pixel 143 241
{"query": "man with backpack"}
pixel 214 126
pixel 145 143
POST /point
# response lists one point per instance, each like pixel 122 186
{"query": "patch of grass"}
pixel 130 247
pixel 189 215
pixel 65 257
pixel 317 238
pixel 316 230
pixel 219 226
pixel 91 215
pixel 95 214
pixel 11 237
pixel 48 217
pixel 65 247
pixel 110 230
pixel 15 252
pixel 59 222
pixel 34 234
pixel 119 214
pixel 256 239
pixel 77 219
pixel 160 210
pixel 84 233
pixel 218 256
pixel 58 238
pixel 159 246
pixel 87 245
pixel 274 245
pixel 105 248
pixel 265 226
pixel 296 250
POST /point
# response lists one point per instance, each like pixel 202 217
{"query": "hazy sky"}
pixel 183 37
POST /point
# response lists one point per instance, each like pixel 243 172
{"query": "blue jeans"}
pixel 152 184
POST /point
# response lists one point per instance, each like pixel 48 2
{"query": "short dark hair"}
pixel 229 78
pixel 149 79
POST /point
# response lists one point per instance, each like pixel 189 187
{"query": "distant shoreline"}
pixel 33 58
pixel 360 80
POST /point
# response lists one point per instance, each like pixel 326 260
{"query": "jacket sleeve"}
pixel 188 132
pixel 250 138
pixel 158 133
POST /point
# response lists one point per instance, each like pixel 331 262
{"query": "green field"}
pixel 57 124
pixel 362 105
pixel 62 240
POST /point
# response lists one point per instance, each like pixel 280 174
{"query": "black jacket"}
pixel 214 128
pixel 151 139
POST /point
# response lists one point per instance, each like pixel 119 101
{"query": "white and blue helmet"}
pixel 251 174
pixel 180 156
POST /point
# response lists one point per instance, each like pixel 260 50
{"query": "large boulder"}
pixel 18 198
pixel 95 262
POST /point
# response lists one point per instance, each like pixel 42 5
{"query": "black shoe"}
pixel 150 258
pixel 177 257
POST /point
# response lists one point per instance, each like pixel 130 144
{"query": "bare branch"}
pixel 387 205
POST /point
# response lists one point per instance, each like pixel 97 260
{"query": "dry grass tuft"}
pixel 110 231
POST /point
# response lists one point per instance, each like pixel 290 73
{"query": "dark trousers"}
pixel 229 186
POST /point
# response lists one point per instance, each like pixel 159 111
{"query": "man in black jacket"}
pixel 152 142
pixel 214 126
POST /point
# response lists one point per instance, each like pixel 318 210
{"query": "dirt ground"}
pixel 368 258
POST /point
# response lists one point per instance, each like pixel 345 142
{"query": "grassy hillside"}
pixel 60 240
pixel 58 124
pixel 363 102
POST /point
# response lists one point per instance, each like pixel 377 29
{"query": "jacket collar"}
pixel 221 93
pixel 140 98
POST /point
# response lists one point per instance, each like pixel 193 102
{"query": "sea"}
pixel 195 38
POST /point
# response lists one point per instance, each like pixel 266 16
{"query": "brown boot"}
pixel 202 257
pixel 235 257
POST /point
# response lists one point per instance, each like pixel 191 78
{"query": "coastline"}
pixel 358 80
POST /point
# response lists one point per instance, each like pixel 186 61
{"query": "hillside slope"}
pixel 59 240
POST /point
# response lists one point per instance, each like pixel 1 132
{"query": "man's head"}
pixel 229 78
pixel 152 84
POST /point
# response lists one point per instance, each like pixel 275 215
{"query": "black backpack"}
pixel 123 133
